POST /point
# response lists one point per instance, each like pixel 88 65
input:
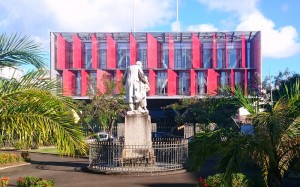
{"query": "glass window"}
pixel 161 83
pixel 183 56
pixel 69 59
pixel 88 55
pixel 207 56
pixel 184 83
pixel 225 78
pixel 239 79
pixel 248 54
pixel 221 56
pixel 76 84
pixel 78 81
pixel 164 56
pixel 234 55
pixel 123 55
pixel 102 55
pixel 59 81
pixel 143 55
pixel 201 83
pixel 92 87
pixel 250 83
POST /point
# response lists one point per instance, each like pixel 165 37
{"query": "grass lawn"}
pixel 48 149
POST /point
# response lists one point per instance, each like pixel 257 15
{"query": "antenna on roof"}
pixel 133 17
pixel 177 19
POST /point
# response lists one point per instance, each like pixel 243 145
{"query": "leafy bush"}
pixel 4 181
pixel 9 158
pixel 30 181
pixel 238 180
pixel 25 156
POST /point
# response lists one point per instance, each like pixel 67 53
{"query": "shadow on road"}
pixel 170 185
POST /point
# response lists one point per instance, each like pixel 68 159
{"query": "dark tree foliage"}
pixel 105 108
pixel 273 146
pixel 286 84
pixel 218 110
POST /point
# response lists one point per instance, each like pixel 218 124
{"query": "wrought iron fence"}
pixel 115 157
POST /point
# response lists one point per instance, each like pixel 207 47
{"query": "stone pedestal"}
pixel 137 138
pixel 137 130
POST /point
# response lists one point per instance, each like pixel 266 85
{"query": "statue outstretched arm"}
pixel 142 77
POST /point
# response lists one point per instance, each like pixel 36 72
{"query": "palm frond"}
pixel 243 100
pixel 31 112
pixel 16 50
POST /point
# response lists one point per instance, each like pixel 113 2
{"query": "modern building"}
pixel 177 64
pixel 10 72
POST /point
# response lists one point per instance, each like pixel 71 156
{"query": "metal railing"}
pixel 114 157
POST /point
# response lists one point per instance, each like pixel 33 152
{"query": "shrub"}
pixel 238 180
pixel 25 156
pixel 9 158
pixel 30 181
pixel 4 181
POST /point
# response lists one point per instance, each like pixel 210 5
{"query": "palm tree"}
pixel 31 113
pixel 273 146
pixel 16 50
pixel 32 110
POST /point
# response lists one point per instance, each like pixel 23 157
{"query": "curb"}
pixel 135 173
pixel 16 165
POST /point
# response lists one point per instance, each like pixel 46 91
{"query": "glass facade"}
pixel 207 53
pixel 183 56
pixel 224 78
pixel 176 65
pixel 239 79
pixel 161 83
pixel 102 55
pixel 88 55
pixel 183 83
pixel 248 55
pixel 76 83
pixel 201 83
pixel 221 56
pixel 123 55
pixel 234 55
pixel 92 82
pixel 164 56
pixel 143 55
pixel 69 55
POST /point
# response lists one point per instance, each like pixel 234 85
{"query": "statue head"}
pixel 139 63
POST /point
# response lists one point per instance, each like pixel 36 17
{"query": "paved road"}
pixel 68 172
pixel 71 172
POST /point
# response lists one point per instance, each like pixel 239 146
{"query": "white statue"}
pixel 136 85
pixel 145 88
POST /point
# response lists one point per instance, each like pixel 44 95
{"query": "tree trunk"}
pixel 111 126
pixel 274 177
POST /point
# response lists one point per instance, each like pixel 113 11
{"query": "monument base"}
pixel 137 139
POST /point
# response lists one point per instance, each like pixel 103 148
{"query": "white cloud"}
pixel 117 15
pixel 241 7
pixel 175 27
pixel 202 28
pixel 38 17
pixel 276 43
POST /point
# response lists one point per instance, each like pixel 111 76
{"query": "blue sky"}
pixel 276 19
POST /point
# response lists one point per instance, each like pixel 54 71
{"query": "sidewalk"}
pixel 71 172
